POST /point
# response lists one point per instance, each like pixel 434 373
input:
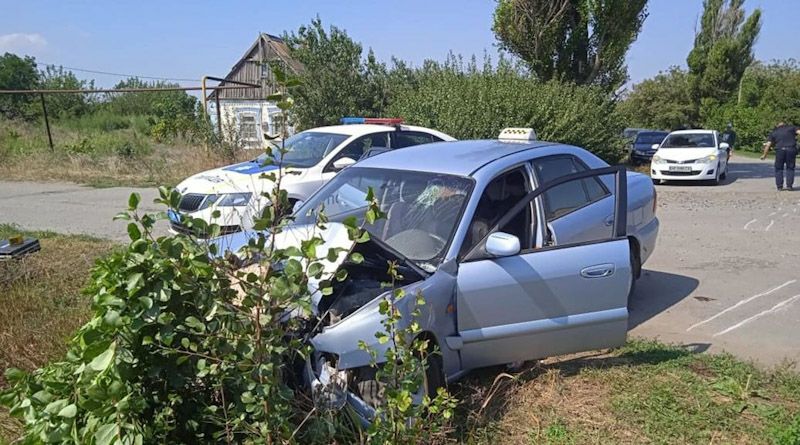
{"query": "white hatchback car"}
pixel 690 155
pixel 314 156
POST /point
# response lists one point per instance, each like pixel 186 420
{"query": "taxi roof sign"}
pixel 517 134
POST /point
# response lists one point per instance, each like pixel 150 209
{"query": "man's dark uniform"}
pixel 784 139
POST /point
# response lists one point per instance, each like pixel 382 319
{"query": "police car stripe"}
pixel 249 168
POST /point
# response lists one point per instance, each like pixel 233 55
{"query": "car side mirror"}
pixel 501 244
pixel 655 146
pixel 343 163
pixel 724 146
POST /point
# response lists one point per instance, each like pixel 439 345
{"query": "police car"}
pixel 313 156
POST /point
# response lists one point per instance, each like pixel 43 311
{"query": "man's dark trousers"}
pixel 785 156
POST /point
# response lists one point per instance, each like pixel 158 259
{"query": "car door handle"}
pixel 609 221
pixel 599 271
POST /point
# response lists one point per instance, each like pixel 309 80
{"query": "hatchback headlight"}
pixel 657 159
pixel 708 159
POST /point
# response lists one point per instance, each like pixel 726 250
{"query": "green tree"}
pixel 65 105
pixel 472 102
pixel 336 80
pixel 17 73
pixel 723 49
pixel 580 41
pixel 661 102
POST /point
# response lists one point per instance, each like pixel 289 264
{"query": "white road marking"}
pixel 751 222
pixel 740 303
pixel 771 222
pixel 771 310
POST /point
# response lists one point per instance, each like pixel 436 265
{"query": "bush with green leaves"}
pixel 187 346
pixel 472 102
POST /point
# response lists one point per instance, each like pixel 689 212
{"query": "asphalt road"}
pixel 69 208
pixel 725 275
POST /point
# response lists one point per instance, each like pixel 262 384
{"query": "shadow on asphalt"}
pixel 656 292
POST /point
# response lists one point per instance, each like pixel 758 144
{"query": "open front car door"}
pixel 518 302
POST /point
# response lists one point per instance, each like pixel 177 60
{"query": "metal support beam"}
pixel 46 122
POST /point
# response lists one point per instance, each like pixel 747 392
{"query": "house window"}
pixel 248 128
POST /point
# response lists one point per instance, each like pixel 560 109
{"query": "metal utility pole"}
pixel 46 122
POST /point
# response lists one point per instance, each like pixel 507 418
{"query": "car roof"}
pixel 359 129
pixel 457 157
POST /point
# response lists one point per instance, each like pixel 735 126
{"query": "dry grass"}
pixel 167 165
pixel 41 304
pixel 95 157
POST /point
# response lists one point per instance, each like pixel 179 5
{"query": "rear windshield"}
pixel 650 138
pixel 689 140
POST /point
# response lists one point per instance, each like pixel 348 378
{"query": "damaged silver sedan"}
pixel 521 249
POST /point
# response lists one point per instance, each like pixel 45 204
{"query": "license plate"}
pixel 680 168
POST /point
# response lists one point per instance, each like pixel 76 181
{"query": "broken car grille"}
pixel 191 202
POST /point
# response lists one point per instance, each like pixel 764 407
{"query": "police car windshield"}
pixel 689 140
pixel 306 149
pixel 422 209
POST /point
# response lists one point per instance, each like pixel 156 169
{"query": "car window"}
pixel 572 195
pixel 497 199
pixel 404 139
pixel 650 138
pixel 359 147
pixel 689 140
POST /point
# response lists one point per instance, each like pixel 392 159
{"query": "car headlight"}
pixel 234 199
pixel 657 159
pixel 708 159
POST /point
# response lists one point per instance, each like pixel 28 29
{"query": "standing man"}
pixel 784 139
pixel 729 137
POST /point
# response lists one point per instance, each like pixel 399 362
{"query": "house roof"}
pixel 265 48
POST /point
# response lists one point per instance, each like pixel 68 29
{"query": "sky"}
pixel 186 40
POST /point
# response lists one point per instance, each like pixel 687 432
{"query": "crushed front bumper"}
pixel 329 389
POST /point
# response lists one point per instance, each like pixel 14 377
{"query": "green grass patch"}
pixel 42 303
pixel 645 392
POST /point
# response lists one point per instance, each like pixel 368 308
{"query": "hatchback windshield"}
pixel 306 149
pixel 422 209
pixel 650 138
pixel 689 140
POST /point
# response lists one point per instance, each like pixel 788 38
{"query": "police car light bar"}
pixel 372 120
pixel 517 134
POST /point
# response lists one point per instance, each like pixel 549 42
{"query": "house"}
pixel 246 113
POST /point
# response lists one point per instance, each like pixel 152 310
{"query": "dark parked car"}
pixel 642 148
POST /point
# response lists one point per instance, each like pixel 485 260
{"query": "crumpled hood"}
pixel 334 235
pixel 685 154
